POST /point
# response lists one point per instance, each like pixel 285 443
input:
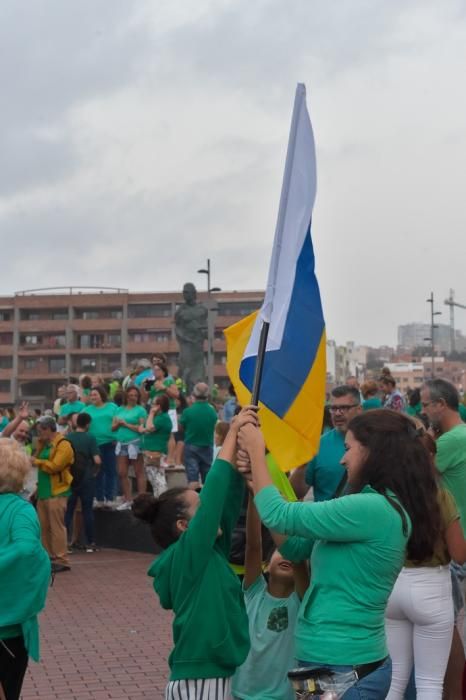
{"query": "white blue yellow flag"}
pixel 292 392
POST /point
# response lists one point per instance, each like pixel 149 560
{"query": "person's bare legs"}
pixel 179 450
pixel 141 479
pixel 123 464
pixel 453 684
pixel 171 451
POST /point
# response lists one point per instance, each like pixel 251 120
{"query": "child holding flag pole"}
pixel 193 578
pixel 272 608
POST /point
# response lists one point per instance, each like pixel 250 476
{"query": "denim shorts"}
pixel 128 449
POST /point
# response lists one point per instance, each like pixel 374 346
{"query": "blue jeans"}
pixel 105 482
pixel 197 461
pixel 85 492
pixel 374 686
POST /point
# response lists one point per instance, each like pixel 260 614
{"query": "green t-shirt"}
pixel 69 408
pixel 414 410
pixel 358 549
pixel 372 402
pixel 263 676
pixel 86 445
pixel 158 440
pixel 44 482
pixel 132 416
pixel 199 422
pixel 325 472
pixel 101 423
pixel 153 393
pixel 451 463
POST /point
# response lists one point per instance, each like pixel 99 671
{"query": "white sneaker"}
pixel 98 504
pixel 126 505
pixel 110 504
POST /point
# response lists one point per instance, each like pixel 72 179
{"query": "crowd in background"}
pixel 381 516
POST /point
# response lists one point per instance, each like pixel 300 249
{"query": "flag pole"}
pixel 266 313
pixel 256 387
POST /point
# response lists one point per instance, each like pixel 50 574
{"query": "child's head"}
pixel 221 430
pixel 280 570
pixel 168 515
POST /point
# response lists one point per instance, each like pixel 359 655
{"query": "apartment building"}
pixel 49 335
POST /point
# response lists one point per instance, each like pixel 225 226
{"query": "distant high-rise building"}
pixel 417 335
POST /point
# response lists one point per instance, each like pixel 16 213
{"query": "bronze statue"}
pixel 191 331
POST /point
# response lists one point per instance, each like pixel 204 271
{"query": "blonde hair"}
pixel 14 466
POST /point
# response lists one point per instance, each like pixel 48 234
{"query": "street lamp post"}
pixel 210 326
pixel 433 313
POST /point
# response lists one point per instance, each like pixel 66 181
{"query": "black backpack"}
pixel 80 467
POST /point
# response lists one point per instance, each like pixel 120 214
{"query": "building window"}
pixel 90 340
pixel 59 314
pixel 87 364
pixel 6 338
pixel 27 315
pixel 56 365
pixel 5 315
pixel 92 314
pixel 110 363
pixel 30 363
pixel 115 313
pixel 150 336
pixel 30 339
pixel 113 340
pixel 238 308
pixel 149 310
pixel 6 362
pixel 4 385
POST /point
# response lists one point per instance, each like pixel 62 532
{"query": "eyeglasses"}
pixel 424 404
pixel 343 408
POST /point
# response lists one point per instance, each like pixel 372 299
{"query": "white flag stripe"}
pixel 296 203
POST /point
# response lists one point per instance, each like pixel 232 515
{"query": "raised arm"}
pixel 253 553
pixel 23 414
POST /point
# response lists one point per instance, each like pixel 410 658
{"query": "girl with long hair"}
pixel 420 616
pixel 357 544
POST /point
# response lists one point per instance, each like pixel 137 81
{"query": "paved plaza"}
pixel 103 633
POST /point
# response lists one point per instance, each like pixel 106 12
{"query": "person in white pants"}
pixel 419 616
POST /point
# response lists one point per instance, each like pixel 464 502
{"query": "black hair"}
pixel 131 388
pixel 344 390
pixel 101 391
pixel 414 397
pixel 83 420
pixel 86 381
pixel 440 389
pixel 398 462
pixel 162 513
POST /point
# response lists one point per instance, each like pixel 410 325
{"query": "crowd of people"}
pixel 353 590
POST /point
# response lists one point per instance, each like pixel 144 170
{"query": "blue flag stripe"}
pixel 285 370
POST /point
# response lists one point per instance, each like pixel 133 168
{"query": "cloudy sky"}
pixel 138 138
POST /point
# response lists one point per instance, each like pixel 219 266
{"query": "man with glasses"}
pixel 324 473
pixel 440 403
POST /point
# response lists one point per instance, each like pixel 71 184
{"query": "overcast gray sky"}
pixel 138 138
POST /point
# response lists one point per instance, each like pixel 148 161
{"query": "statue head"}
pixel 189 293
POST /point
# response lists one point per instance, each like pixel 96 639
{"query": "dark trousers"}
pixel 13 665
pixel 105 482
pixel 85 492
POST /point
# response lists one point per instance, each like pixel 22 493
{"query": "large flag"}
pixel 292 392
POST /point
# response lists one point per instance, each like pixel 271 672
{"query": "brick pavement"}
pixel 103 633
